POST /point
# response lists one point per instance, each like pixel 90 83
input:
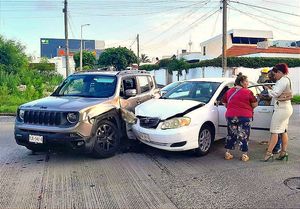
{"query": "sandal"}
pixel 245 157
pixel 228 156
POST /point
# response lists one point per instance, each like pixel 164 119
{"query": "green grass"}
pixel 296 99
pixel 10 103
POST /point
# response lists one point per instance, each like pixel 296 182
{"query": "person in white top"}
pixel 281 92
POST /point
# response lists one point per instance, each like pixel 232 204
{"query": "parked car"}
pixel 168 87
pixel 191 116
pixel 84 112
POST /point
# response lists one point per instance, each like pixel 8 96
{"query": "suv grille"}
pixel 147 122
pixel 43 117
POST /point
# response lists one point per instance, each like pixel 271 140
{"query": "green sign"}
pixel 45 41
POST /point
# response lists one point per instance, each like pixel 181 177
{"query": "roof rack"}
pixel 123 72
pixel 103 69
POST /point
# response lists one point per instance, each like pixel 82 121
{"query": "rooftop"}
pixel 245 50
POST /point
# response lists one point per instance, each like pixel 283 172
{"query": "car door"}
pixel 261 120
pixel 129 103
pixel 144 89
pixel 222 124
pixel 262 116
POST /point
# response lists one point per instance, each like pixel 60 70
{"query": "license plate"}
pixel 144 137
pixel 36 139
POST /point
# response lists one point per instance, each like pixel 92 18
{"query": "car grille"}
pixel 43 117
pixel 147 122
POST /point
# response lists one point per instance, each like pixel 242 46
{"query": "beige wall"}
pixel 214 47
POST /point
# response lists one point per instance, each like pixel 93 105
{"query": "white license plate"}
pixel 144 137
pixel 36 139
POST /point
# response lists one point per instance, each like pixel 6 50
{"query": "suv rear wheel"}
pixel 106 140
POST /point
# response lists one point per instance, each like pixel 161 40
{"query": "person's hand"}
pixel 269 87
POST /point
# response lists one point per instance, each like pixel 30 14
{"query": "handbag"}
pixel 286 95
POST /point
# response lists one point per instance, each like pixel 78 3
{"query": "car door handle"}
pixel 264 110
pixel 138 102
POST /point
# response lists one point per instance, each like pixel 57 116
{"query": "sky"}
pixel 164 26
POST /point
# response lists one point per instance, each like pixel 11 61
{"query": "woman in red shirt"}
pixel 240 103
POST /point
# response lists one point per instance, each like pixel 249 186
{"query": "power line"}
pixel 273 10
pixel 274 19
pixel 191 12
pixel 282 4
pixel 215 25
pixel 263 22
pixel 185 30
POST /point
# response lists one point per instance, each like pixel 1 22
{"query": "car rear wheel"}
pixel 106 140
pixel 205 140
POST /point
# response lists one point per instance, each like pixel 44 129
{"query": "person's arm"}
pixel 253 100
pixel 278 88
pixel 254 104
pixel 224 100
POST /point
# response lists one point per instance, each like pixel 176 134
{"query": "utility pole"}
pixel 65 11
pixel 81 45
pixel 224 48
pixel 138 48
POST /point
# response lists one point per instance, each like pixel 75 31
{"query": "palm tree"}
pixel 144 58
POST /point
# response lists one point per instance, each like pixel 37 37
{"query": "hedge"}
pixel 249 62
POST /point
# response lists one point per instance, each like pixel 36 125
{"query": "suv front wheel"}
pixel 106 140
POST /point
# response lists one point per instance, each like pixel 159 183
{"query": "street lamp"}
pixel 81 45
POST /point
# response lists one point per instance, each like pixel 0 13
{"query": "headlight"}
pixel 176 123
pixel 72 117
pixel 21 114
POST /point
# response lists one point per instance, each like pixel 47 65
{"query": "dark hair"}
pixel 239 79
pixel 281 67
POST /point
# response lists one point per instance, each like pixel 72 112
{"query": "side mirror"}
pixel 130 93
pixel 162 93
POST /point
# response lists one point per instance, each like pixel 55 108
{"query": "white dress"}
pixel 282 109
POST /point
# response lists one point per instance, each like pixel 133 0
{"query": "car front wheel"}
pixel 107 140
pixel 205 141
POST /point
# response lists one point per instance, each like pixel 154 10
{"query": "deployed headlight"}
pixel 21 114
pixel 176 123
pixel 72 117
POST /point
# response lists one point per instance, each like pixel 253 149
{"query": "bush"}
pixel 249 62
pixel 296 99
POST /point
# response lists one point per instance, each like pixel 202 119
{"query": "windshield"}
pixel 98 86
pixel 170 86
pixel 200 91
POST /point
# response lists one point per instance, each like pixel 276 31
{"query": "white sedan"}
pixel 191 116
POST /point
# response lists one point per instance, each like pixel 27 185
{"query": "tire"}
pixel 205 140
pixel 106 140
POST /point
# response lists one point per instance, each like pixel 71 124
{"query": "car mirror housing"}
pixel 130 93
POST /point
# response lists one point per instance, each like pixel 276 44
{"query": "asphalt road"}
pixel 147 179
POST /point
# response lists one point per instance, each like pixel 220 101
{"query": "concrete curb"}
pixel 7 114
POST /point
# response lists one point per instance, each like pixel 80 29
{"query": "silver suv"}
pixel 84 112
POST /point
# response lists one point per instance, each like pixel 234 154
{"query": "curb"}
pixel 7 114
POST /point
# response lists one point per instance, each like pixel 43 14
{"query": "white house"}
pixel 60 64
pixel 249 43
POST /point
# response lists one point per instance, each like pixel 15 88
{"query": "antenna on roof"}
pixel 190 44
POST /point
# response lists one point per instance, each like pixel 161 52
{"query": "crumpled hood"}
pixel 63 103
pixel 164 108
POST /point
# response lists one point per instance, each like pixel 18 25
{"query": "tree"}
pixel 88 59
pixel 120 58
pixel 144 58
pixel 12 56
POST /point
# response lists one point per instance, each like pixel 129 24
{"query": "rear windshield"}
pixel 98 86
